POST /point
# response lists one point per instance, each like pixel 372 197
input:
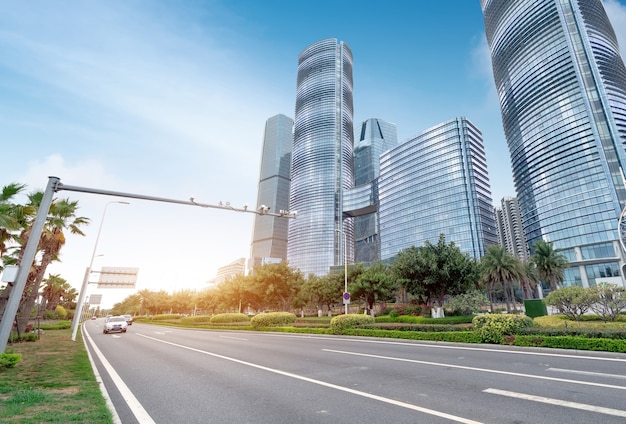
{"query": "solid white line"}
pixel 324 384
pixel 440 346
pixel 462 367
pixel 103 389
pixel 558 402
pixel 136 408
pixel 595 374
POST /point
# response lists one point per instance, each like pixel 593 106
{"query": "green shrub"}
pixel 229 318
pixel 423 320
pixel 61 312
pixel 572 301
pixel 61 325
pixel 9 360
pixel 572 342
pixel 271 319
pixel 608 300
pixel 466 304
pixel 164 317
pixel 493 327
pixel 198 319
pixel 342 322
pixel 451 337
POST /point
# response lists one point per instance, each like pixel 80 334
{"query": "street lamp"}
pixel 346 295
pixel 83 290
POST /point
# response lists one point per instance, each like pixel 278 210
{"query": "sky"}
pixel 169 99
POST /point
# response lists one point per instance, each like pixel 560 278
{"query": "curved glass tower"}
pixel 321 159
pixel 562 89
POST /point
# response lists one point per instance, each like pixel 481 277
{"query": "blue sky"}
pixel 169 99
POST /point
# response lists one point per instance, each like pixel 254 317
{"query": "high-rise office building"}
pixel 375 137
pixel 269 236
pixel 509 228
pixel 322 159
pixel 437 183
pixel 562 88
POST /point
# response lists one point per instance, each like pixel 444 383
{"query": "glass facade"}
pixel 562 89
pixel 375 137
pixel 437 183
pixel 322 166
pixel 269 236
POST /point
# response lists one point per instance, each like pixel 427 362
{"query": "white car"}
pixel 115 324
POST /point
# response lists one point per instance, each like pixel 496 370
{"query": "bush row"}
pixel 270 319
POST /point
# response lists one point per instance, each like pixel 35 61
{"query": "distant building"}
pixel 562 87
pixel 269 236
pixel 437 183
pixel 509 228
pixel 322 159
pixel 231 270
pixel 375 137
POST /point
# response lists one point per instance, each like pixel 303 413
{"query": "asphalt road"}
pixel 170 375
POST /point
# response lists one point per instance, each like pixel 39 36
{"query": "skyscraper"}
pixel 322 158
pixel 437 183
pixel 375 137
pixel 562 89
pixel 509 228
pixel 269 237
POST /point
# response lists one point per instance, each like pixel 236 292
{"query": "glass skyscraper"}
pixel 437 183
pixel 269 236
pixel 375 137
pixel 562 89
pixel 322 159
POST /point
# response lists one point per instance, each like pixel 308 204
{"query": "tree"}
pixel 500 269
pixel 549 263
pixel 608 300
pixel 373 284
pixel 61 217
pixel 54 290
pixel 572 301
pixel 11 216
pixel 324 291
pixel 529 280
pixel 435 271
pixel 276 284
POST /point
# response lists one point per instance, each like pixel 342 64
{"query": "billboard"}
pixel 95 299
pixel 117 277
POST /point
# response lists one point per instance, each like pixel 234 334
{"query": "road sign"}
pixel 346 298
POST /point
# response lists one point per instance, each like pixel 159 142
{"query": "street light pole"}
pixel 83 290
pixel 345 270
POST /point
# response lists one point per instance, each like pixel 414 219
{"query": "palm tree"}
pixel 529 280
pixel 61 216
pixel 54 290
pixel 549 263
pixel 500 268
pixel 11 215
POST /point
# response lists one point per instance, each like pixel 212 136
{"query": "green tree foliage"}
pixel 500 270
pixel 467 304
pixel 57 291
pixel 374 285
pixel 608 300
pixel 276 284
pixel 435 271
pixel 549 263
pixel 572 301
pixel 324 291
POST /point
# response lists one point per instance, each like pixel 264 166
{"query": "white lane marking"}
pixel 558 402
pixel 232 338
pixel 462 367
pixel 595 374
pixel 136 408
pixel 439 346
pixel 324 384
pixel 103 389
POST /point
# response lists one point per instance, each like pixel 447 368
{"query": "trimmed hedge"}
pixel 164 317
pixel 433 328
pixel 198 319
pixel 343 322
pixel 423 320
pixel 270 319
pixel 571 342
pixel 229 318
pixel 452 336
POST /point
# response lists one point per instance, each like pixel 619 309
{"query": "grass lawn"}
pixel 53 383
